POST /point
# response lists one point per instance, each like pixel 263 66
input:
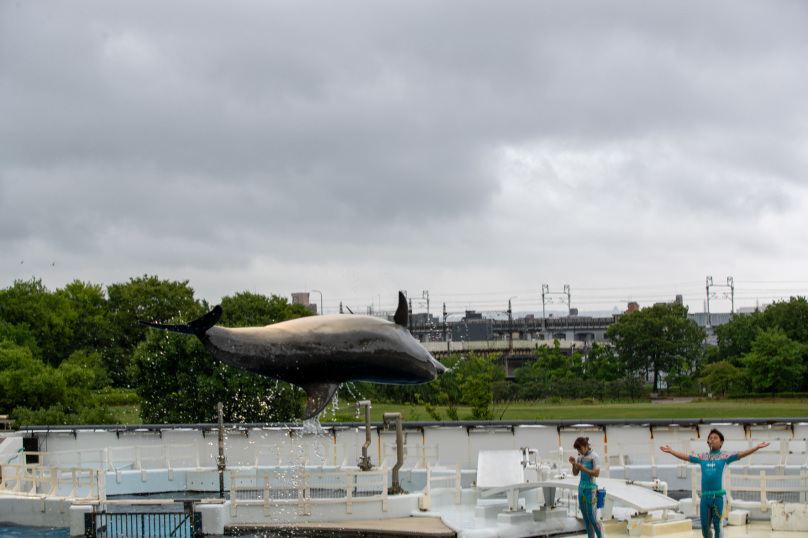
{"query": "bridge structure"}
pixel 584 330
pixel 514 340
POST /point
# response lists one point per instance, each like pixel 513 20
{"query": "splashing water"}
pixel 313 426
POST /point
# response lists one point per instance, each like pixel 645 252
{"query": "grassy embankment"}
pixel 696 408
pixel 574 410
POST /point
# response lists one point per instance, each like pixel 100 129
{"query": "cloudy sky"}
pixel 475 150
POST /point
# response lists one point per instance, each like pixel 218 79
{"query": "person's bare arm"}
pixel 753 449
pixel 681 455
pixel 577 467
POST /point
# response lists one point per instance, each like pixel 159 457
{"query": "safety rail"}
pixel 303 488
pixel 41 481
pixel 416 455
pixel 745 490
pixel 128 520
pixel 443 475
pixel 6 423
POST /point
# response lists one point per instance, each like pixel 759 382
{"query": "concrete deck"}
pixel 404 526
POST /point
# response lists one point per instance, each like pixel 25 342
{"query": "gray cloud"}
pixel 457 146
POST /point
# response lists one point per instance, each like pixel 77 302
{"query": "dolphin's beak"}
pixel 439 368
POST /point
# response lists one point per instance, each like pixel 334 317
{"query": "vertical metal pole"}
pixel 396 486
pixel 221 461
pixel 425 295
pixel 510 333
pixel 446 332
pixel 365 464
pixel 731 284
pixel 569 298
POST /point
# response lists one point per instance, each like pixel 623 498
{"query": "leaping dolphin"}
pixel 318 353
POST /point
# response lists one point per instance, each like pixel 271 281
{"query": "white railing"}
pixel 302 487
pixel 448 478
pixel 41 481
pixel 745 490
pixel 416 455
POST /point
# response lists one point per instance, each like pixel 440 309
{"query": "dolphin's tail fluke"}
pixel 197 327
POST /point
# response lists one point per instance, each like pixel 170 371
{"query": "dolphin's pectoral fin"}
pixel 319 395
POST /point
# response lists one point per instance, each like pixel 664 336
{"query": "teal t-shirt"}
pixel 590 461
pixel 713 464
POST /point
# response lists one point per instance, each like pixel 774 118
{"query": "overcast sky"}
pixel 476 150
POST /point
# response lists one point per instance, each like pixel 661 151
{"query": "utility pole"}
pixel 321 300
pixel 446 331
pixel 731 285
pixel 545 291
pixel 510 330
pixel 425 295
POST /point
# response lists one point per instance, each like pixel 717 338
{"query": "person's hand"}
pixel 762 445
pixel 572 461
pixel 666 448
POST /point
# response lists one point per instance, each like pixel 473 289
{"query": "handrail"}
pixel 297 426
pixel 436 473
pixel 305 488
pixel 766 485
pixel 41 481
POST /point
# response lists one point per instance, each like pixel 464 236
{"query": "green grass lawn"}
pixel 639 410
pixel 572 410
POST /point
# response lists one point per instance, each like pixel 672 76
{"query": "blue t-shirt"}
pixel 713 464
pixel 591 461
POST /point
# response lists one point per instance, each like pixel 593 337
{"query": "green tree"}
pixel 42 320
pixel 721 377
pixel 91 328
pixel 656 339
pixel 791 316
pixel 776 362
pixel 734 339
pixel 26 381
pixel 247 309
pixel 602 363
pixel 145 298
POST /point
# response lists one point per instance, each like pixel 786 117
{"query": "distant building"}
pixel 423 317
pixel 302 297
pixel 473 328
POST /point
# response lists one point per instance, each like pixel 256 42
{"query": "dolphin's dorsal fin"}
pixel 319 395
pixel 402 316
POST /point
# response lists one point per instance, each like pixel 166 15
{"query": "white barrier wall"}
pixel 619 445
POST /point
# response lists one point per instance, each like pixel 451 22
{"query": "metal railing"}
pixel 40 481
pixel 187 523
pixel 744 490
pixel 417 455
pixel 443 479
pixel 303 488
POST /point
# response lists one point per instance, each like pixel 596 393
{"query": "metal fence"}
pixel 762 490
pixel 41 481
pixel 302 487
pixel 186 523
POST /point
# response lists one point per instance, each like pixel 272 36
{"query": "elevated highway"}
pixel 571 329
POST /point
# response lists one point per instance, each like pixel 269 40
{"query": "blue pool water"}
pixel 32 532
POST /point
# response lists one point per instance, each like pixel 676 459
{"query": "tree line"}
pixel 71 355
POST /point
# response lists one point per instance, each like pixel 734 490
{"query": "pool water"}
pixel 32 532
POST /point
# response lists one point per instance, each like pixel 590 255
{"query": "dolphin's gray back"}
pixel 334 348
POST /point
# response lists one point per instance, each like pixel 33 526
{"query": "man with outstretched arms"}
pixel 713 507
